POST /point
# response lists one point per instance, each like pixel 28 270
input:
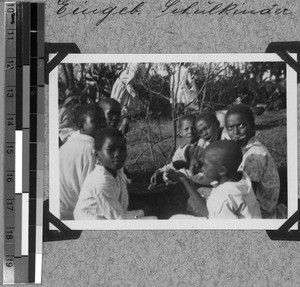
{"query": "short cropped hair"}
pixel 243 110
pixel 187 117
pixel 109 102
pixel 209 118
pixel 225 152
pixel 105 133
pixel 83 111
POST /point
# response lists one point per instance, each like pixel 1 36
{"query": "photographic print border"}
pixel 197 223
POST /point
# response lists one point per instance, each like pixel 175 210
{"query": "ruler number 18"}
pixel 9 234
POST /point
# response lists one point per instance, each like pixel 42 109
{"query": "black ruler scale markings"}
pixel 40 136
pixel 33 140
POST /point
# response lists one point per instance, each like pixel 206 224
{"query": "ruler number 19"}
pixel 9 262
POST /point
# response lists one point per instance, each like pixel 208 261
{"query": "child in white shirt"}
pixel 232 195
pixel 77 158
pixel 104 192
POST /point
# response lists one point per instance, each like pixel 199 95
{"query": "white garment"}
pixel 76 160
pixel 66 125
pixel 124 93
pixel 260 166
pixel 104 196
pixel 182 85
pixel 233 200
pixel 179 155
pixel 203 143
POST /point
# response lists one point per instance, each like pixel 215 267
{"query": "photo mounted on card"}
pixel 173 141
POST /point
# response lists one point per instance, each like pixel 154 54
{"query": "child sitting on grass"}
pixel 181 156
pixel 257 161
pixel 77 158
pixel 112 111
pixel 208 130
pixel 104 192
pixel 232 196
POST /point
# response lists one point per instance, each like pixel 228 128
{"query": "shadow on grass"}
pixel 269 125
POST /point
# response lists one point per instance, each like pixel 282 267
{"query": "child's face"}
pixel 211 170
pixel 207 131
pixel 112 115
pixel 188 130
pixel 238 128
pixel 93 122
pixel 113 153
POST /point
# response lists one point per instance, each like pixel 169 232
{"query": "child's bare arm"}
pixel 191 189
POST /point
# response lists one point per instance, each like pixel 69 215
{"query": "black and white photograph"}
pixel 173 141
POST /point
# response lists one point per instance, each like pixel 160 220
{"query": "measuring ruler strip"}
pixel 33 127
pixel 9 150
pixel 36 140
pixel 41 138
pixel 21 149
pixel 18 162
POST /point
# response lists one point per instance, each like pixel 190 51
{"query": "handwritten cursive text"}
pixel 65 10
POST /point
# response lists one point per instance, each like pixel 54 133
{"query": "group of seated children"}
pixel 224 178
pixel 93 184
pixel 221 170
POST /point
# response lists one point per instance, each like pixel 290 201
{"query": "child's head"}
pixel 186 125
pixel 207 126
pixel 240 123
pixel 110 146
pixel 89 119
pixel 221 159
pixel 112 111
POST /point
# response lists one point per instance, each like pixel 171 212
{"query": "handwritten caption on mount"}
pixel 171 7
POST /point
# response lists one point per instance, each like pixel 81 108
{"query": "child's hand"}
pixel 194 167
pixel 153 179
pixel 174 175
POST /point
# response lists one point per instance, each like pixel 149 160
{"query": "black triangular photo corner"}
pixel 284 232
pixel 62 50
pixel 65 233
pixel 283 49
